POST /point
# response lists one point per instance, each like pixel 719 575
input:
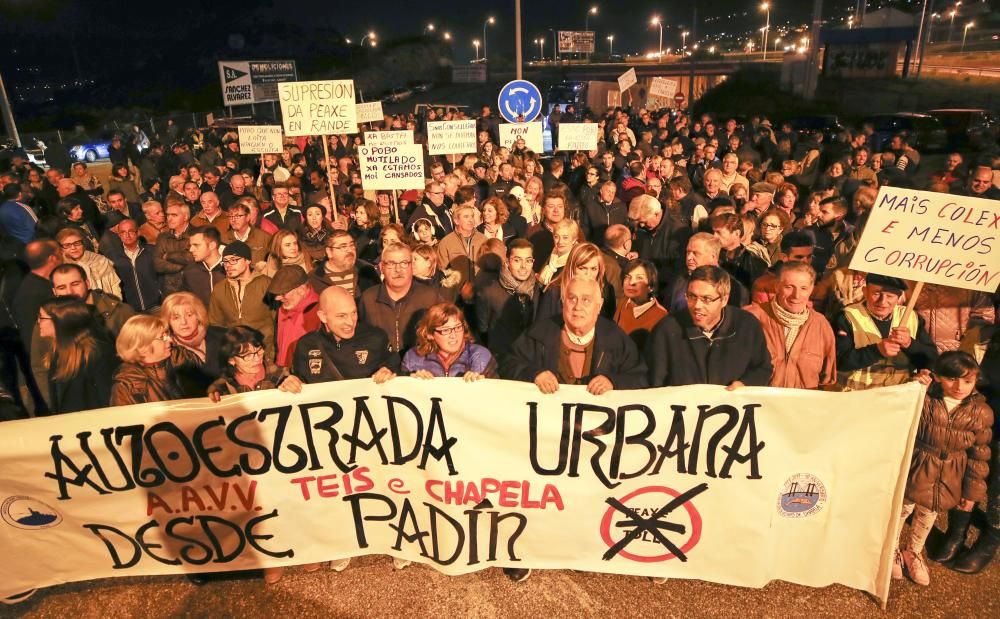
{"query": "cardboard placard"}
pixel 257 140
pixel 450 137
pixel 531 132
pixel 389 138
pixel 627 80
pixel 578 136
pixel 392 166
pixel 318 108
pixel 370 112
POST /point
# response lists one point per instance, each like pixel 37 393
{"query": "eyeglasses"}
pixel 71 244
pixel 693 298
pixel 237 215
pixel 771 226
pixel 250 354
pixel 402 264
pixel 449 330
pixel 163 337
pixel 341 247
pixel 232 260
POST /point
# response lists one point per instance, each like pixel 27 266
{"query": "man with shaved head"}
pixel 343 347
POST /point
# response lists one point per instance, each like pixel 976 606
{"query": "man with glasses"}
pixel 342 267
pixel 506 306
pixel 240 299
pixel 580 347
pixel 397 305
pixel 241 229
pixel 433 207
pixel 710 342
pixel 281 213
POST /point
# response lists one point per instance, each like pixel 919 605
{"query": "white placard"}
pixel 627 80
pixel 391 167
pixel 318 108
pixel 578 136
pixel 370 112
pixel 531 132
pixel 389 138
pixel 449 137
pixel 257 140
pixel 938 238
pixel 663 88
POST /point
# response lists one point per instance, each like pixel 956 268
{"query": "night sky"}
pixel 176 43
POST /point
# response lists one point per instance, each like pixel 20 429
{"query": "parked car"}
pixel 925 133
pixel 396 95
pixel 421 86
pixel 827 125
pixel 967 127
pixel 90 150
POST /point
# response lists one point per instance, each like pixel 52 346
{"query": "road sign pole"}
pixel 329 179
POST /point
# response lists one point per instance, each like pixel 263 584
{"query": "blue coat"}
pixel 17 222
pixel 474 358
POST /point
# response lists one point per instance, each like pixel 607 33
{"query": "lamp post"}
pixel 555 45
pixel 489 21
pixel 776 41
pixel 428 28
pixel 850 23
pixel 965 32
pixel 766 6
pixel 370 37
pixel 656 21
pixel 475 42
pixel 611 46
pixel 951 22
pixel 541 48
pixel 586 25
pixel 684 38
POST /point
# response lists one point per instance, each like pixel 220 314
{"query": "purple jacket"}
pixel 474 358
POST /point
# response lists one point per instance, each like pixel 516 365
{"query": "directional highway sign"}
pixel 520 101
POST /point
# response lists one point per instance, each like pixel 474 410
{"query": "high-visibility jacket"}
pixel 886 371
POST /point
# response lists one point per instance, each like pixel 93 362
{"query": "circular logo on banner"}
pixel 669 524
pixel 802 495
pixel 25 512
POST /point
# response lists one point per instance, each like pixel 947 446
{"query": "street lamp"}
pixel 447 36
pixel 428 28
pixel 541 48
pixel 656 21
pixel 850 23
pixel 370 37
pixel 766 6
pixel 489 21
pixel 586 24
pixel 965 32
pixel 951 22
pixel 776 41
pixel 749 47
pixel 475 42
pixel 611 45
pixel 684 38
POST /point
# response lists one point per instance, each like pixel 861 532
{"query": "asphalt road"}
pixel 371 588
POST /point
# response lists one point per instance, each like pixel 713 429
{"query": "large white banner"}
pixel 450 137
pixel 391 167
pixel 939 238
pixel 260 139
pixel 737 487
pixel 531 132
pixel 578 136
pixel 318 108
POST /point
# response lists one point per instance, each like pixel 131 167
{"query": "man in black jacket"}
pixel 134 265
pixel 506 306
pixel 342 267
pixel 579 348
pixel 709 343
pixel 343 348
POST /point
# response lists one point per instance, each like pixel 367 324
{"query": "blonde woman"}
pixel 144 345
pixel 195 352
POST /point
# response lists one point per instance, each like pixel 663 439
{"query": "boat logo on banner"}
pixel 802 495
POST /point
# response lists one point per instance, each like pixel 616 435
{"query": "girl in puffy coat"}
pixel 444 348
pixel 950 460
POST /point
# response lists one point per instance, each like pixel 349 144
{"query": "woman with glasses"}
pixel 144 346
pixel 445 348
pixel 83 358
pixel 246 367
pixel 773 224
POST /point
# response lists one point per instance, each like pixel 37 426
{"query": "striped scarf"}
pixel 791 322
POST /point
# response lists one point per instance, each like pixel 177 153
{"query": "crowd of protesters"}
pixel 681 251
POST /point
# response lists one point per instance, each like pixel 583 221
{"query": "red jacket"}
pixel 294 323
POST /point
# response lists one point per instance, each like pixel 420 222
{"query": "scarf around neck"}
pixel 512 286
pixel 791 322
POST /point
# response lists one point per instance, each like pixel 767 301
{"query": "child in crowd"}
pixel 950 459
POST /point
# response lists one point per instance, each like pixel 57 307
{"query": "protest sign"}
pixel 627 80
pixel 578 136
pixel 389 138
pixel 399 166
pixel 370 112
pixel 257 140
pixel 694 482
pixel 449 137
pixel 318 108
pixel 937 238
pixel 255 81
pixel 661 93
pixel 531 132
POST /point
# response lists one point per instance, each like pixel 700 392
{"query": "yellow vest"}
pixel 884 372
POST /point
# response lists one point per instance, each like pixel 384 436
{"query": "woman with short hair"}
pixel 639 311
pixel 445 347
pixel 196 345
pixel 144 345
